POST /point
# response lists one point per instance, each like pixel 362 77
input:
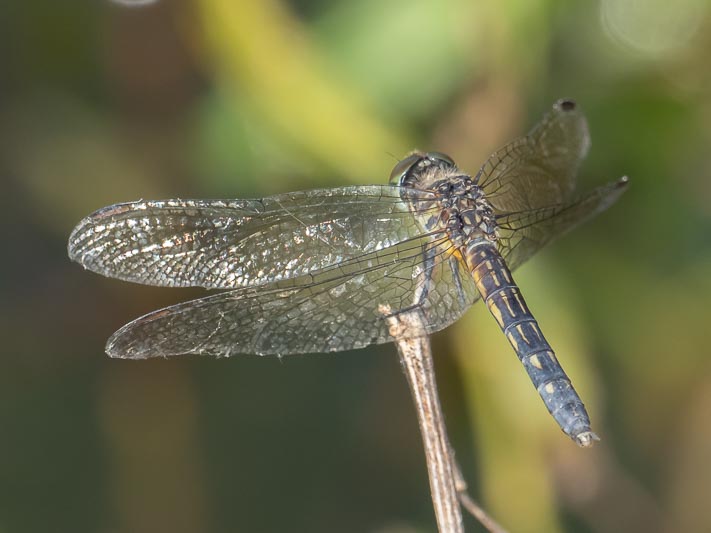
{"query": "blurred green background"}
pixel 103 102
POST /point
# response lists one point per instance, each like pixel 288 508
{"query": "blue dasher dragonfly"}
pixel 311 271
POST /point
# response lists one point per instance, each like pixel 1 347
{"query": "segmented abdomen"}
pixel 505 302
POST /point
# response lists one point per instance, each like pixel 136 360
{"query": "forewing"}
pixel 538 170
pixel 240 243
pixel 523 234
pixel 333 310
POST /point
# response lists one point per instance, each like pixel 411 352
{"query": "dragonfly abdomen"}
pixel 505 302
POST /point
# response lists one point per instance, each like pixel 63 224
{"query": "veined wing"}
pixel 522 234
pixel 241 243
pixel 538 170
pixel 335 309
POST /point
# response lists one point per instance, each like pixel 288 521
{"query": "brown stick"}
pixel 446 482
pixel 413 346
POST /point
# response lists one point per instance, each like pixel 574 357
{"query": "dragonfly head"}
pixel 407 171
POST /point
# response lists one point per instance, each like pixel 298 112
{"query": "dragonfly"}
pixel 311 271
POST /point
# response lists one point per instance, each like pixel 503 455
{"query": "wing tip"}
pixel 612 192
pixel 119 345
pixel 129 342
pixel 616 188
pixel 566 104
pixel 75 239
pixel 114 351
pixel 95 218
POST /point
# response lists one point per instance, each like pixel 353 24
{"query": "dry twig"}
pixel 447 485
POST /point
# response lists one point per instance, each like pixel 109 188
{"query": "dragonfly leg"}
pixel 458 286
pixel 424 285
pixel 425 278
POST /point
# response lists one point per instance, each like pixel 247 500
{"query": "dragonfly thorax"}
pixel 458 207
pixel 465 212
pixel 454 205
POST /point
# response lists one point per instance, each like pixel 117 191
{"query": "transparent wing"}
pixel 538 170
pixel 229 244
pixel 335 309
pixel 524 233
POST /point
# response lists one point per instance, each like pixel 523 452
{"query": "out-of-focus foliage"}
pixel 107 101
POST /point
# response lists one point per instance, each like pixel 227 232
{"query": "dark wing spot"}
pixel 567 105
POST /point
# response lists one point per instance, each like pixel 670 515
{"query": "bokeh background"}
pixel 102 102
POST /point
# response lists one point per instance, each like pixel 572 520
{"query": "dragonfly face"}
pixel 308 271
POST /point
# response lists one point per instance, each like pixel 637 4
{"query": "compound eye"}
pixel 403 167
pixel 439 156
